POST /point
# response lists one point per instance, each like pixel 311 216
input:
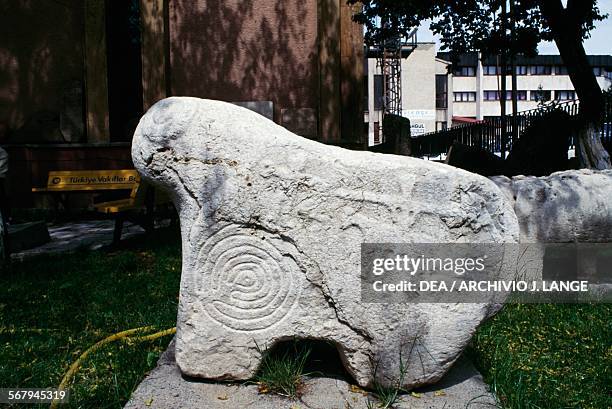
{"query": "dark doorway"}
pixel 124 67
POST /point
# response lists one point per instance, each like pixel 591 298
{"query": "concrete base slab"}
pixel 166 388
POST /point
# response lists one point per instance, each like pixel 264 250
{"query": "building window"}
pixel 495 70
pixel 496 95
pixel 520 95
pixel 540 95
pixel 378 93
pixel 491 95
pixel 441 91
pixel 598 71
pixel 465 96
pixel 565 95
pixel 560 70
pixel 465 71
pixel 521 69
pixel 540 70
pixel 489 70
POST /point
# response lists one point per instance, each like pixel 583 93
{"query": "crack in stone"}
pixel 189 191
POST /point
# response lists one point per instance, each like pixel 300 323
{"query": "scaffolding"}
pixel 390 65
pixel 389 56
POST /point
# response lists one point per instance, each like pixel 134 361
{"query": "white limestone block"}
pixel 565 207
pixel 272 225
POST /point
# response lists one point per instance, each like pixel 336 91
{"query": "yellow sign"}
pixel 92 180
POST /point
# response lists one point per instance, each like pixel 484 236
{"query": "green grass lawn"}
pixel 548 356
pixel 54 308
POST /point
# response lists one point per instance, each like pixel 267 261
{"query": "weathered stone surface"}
pixel 542 147
pixel 164 388
pixel 568 206
pixel 272 225
pixel 397 139
pixel 474 159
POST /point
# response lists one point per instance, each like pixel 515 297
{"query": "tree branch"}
pixel 579 10
pixel 553 12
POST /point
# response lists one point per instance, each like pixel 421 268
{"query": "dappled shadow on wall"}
pixel 41 71
pixel 245 50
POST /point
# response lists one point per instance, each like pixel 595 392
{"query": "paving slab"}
pixel 166 388
pixel 79 235
pixel 25 236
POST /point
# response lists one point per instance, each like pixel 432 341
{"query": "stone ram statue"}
pixel 272 225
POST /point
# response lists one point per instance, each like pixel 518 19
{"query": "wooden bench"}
pixel 141 196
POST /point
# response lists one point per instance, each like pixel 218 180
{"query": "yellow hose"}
pixel 120 335
pixel 151 337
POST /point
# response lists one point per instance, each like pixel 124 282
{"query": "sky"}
pixel 599 43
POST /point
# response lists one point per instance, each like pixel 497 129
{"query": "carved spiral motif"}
pixel 168 119
pixel 247 284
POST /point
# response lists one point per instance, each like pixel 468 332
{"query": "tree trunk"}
pixel 565 28
pixel 589 149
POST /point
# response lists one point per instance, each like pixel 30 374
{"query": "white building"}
pixel 434 98
pixel 477 83
pixel 418 78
